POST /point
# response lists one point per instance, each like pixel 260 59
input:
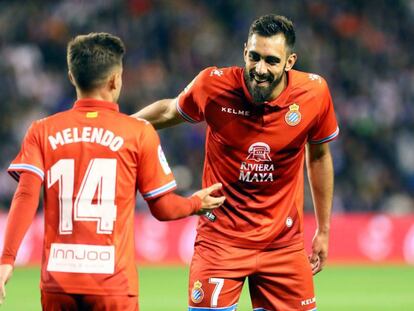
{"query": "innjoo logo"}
pixel 81 258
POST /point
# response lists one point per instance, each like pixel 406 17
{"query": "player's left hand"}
pixel 320 244
pixel 5 274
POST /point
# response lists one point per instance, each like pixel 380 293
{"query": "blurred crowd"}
pixel 362 48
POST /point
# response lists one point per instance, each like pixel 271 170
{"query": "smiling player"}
pixel 263 121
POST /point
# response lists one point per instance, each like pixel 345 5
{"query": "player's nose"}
pixel 261 68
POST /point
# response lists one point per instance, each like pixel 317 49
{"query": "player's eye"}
pixel 272 60
pixel 254 57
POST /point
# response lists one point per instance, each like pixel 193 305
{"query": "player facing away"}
pixel 91 160
pixel 263 122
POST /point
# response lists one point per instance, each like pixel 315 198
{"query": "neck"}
pixel 95 94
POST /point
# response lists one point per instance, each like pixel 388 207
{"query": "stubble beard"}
pixel 261 94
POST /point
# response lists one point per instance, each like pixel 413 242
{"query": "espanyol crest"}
pixel 197 293
pixel 293 116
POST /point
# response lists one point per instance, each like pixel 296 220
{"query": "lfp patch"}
pixel 293 116
pixel 197 293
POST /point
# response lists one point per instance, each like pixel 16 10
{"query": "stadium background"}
pixel 363 49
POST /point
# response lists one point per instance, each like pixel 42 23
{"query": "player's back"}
pixel 91 159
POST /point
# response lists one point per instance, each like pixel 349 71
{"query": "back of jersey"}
pixel 93 160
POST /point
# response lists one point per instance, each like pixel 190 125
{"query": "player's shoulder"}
pixel 308 81
pixel 220 77
pixel 134 124
pixel 55 118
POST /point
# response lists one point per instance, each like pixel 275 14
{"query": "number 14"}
pixel 99 179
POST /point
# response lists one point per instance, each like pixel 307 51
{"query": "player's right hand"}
pixel 6 271
pixel 209 202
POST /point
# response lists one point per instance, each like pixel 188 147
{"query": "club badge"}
pixel 293 116
pixel 197 293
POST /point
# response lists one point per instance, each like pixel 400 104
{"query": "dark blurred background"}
pixel 364 49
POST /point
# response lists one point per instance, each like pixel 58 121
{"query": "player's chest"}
pixel 240 126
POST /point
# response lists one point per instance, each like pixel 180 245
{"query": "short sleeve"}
pixel 326 127
pixel 192 101
pixel 154 176
pixel 30 157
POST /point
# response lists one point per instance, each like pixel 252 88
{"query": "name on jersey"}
pixel 95 135
pixel 245 113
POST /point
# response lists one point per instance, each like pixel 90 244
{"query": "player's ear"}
pixel 71 79
pixel 245 51
pixel 115 79
pixel 291 60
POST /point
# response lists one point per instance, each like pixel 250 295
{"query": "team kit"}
pixel 263 123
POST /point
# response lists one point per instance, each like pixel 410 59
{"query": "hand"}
pixel 6 271
pixel 208 202
pixel 320 244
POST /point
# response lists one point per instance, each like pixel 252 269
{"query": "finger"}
pixel 316 266
pixel 2 294
pixel 216 202
pixel 214 187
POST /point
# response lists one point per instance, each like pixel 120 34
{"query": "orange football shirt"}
pixel 257 153
pixel 92 159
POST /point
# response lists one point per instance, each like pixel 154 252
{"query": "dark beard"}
pixel 261 94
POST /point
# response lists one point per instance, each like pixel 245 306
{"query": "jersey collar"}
pixel 95 103
pixel 281 101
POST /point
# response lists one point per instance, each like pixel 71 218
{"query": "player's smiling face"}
pixel 267 59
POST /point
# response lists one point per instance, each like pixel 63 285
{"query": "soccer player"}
pixel 91 160
pixel 263 121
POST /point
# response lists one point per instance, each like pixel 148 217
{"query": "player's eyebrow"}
pixel 268 59
pixel 272 59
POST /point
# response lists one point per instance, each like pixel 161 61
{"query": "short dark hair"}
pixel 272 24
pixel 91 57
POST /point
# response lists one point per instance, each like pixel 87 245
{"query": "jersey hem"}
pixel 254 245
pixel 87 291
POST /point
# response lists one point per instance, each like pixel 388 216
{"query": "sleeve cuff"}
pixel 183 114
pixel 195 203
pixel 16 169
pixel 7 260
pixel 160 191
pixel 326 139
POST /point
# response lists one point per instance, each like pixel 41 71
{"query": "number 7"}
pixel 219 285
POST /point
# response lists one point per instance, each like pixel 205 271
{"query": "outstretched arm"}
pixel 161 114
pixel 172 206
pixel 321 180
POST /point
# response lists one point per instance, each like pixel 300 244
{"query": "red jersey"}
pixel 92 160
pixel 257 153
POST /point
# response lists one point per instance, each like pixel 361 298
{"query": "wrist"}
pixel 323 230
pixel 196 203
pixel 7 260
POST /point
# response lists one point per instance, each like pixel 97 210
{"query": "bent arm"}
pixel 172 206
pixel 321 180
pixel 161 114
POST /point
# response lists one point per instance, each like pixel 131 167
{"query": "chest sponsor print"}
pixel 258 166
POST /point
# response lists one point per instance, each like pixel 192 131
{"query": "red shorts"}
pixel 279 279
pixel 77 302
